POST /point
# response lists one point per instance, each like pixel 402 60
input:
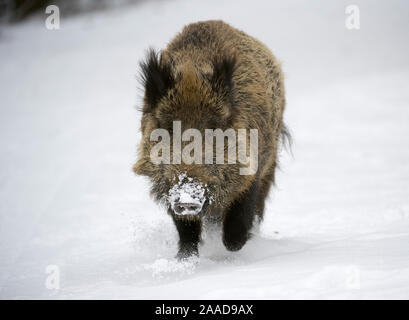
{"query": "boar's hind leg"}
pixel 266 182
pixel 189 236
pixel 238 219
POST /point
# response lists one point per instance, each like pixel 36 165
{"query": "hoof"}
pixel 235 244
pixel 187 252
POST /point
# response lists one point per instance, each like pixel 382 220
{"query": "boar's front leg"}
pixel 189 236
pixel 238 219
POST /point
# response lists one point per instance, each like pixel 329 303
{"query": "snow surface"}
pixel 336 225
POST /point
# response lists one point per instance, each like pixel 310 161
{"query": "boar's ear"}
pixel 156 77
pixel 222 78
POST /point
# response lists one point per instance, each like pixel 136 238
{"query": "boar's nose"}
pixel 181 207
pixel 187 197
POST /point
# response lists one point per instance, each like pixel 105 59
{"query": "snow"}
pixel 336 225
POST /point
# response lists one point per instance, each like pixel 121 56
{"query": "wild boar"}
pixel 211 79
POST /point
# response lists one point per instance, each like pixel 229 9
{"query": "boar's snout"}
pixel 187 197
pixel 189 207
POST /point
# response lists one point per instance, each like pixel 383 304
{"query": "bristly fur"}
pixel 210 76
pixel 286 138
pixel 156 77
pixel 222 77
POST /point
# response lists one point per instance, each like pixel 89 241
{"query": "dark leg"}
pixel 239 219
pixel 189 236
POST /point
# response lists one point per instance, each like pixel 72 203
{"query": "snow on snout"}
pixel 187 196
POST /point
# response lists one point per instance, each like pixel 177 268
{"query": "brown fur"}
pixel 256 101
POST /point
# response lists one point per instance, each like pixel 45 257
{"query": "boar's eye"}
pixel 156 77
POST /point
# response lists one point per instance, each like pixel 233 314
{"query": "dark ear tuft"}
pixel 222 78
pixel 156 77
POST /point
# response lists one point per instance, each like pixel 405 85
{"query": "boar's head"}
pixel 199 97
